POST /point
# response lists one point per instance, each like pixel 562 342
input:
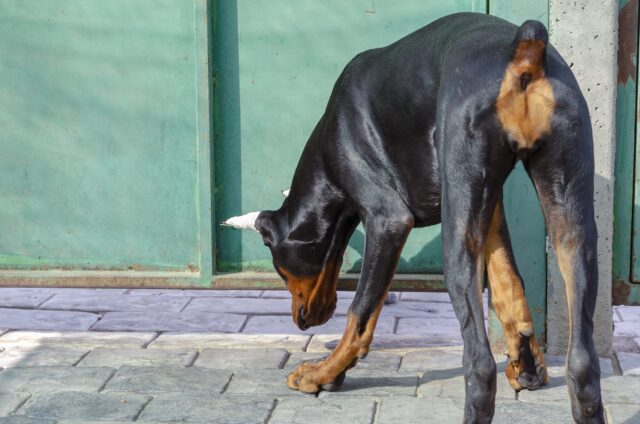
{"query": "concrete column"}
pixel 585 33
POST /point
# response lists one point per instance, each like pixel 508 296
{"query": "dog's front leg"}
pixel 385 238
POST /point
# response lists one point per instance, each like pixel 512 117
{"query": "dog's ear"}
pixel 267 226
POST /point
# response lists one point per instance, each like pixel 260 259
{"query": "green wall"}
pixel 103 142
pixel 105 160
pixel 275 64
pixel 626 245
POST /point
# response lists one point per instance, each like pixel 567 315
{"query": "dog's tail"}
pixel 529 52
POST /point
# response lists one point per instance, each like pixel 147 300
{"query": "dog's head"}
pixel 307 244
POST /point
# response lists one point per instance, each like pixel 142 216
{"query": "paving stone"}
pixel 626 329
pixel 194 293
pixel 555 390
pixel 23 319
pixel 555 366
pixel 615 389
pixel 84 406
pixel 403 409
pixel 447 329
pixel 528 413
pixel 75 339
pixel 229 341
pixel 170 321
pixel 108 422
pixel 381 361
pixel 620 389
pixel 450 383
pixel 362 382
pixel 105 302
pixel 324 410
pixel 115 358
pixel 113 422
pixel 419 310
pixel 49 379
pixel 219 410
pixel 629 313
pixel 618 413
pixel 394 342
pixel 262 382
pixel 168 379
pixel 626 344
pixel 433 297
pixel 40 356
pixel 82 290
pixel 284 294
pixel 10 401
pixel 236 359
pixel 247 306
pixel 274 324
pixel 629 362
pixel 276 294
pixel 18 419
pixel 431 359
pixel 15 297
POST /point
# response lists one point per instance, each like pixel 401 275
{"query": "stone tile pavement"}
pixel 71 356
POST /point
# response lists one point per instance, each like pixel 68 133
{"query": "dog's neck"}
pixel 313 205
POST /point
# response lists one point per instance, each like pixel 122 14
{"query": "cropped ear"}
pixel 268 227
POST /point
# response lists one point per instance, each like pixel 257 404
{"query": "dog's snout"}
pixel 301 322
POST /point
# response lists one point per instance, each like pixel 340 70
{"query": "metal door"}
pixel 275 62
pixel 626 242
pixel 104 163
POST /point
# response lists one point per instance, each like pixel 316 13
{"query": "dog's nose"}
pixel 301 322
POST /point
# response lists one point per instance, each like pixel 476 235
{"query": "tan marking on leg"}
pixel 509 301
pixel 525 112
pixel 309 377
pixel 565 252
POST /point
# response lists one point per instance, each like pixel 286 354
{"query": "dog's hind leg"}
pixel 471 185
pixel 526 368
pixel 563 173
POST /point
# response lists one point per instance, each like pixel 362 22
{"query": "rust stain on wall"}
pixel 620 292
pixel 627 42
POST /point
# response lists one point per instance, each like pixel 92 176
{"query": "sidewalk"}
pixel 109 355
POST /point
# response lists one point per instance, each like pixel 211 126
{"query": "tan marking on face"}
pixel 316 294
pixel 526 114
pixel 509 301
pixel 309 377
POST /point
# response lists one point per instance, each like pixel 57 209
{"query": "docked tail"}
pixel 529 52
pixel 525 103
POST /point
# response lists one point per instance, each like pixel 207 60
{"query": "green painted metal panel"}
pixel 524 217
pixel 626 245
pixel 275 64
pixel 626 121
pixel 104 160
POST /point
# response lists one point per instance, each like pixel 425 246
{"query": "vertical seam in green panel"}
pixel 633 168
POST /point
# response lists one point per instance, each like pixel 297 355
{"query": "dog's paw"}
pixel 522 376
pixel 312 377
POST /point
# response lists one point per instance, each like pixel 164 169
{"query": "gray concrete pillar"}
pixel 585 33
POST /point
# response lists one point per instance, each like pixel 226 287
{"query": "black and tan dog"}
pixel 426 130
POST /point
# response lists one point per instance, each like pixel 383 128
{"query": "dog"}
pixel 426 131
